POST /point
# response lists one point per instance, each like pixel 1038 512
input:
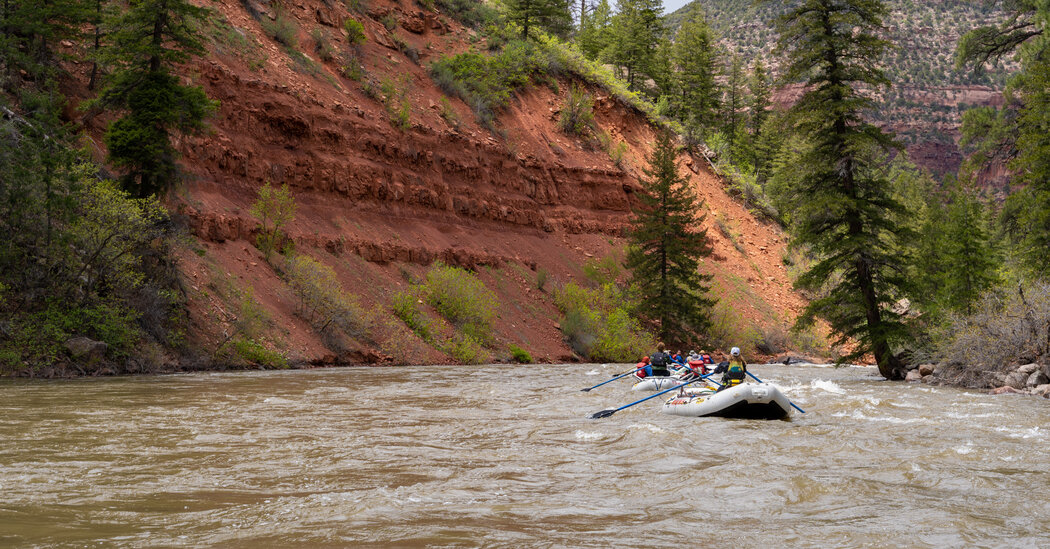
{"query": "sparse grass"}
pixel 541 279
pixel 351 67
pixel 404 47
pixel 389 22
pixel 577 113
pixel 449 114
pixel 725 227
pixel 322 44
pixel 282 29
pixel 232 40
pixel 395 99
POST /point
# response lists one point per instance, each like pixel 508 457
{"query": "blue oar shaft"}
pixel 789 400
pixel 613 379
pixel 662 392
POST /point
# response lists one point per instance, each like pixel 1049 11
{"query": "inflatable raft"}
pixel 746 401
pixel 658 383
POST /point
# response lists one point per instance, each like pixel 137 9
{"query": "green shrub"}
pixel 466 349
pixel 471 13
pixel 355 32
pixel 598 323
pixel 282 29
pixel 541 279
pixel 274 208
pixel 254 353
pixel 487 82
pixel 462 299
pixel 405 306
pixel 617 152
pixel 389 22
pixel 577 115
pixel 321 300
pixel 449 114
pixel 520 355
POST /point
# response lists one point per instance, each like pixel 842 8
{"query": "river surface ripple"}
pixel 505 457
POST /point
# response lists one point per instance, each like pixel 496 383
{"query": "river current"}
pixel 506 457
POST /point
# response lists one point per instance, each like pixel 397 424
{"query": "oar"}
pixel 612 380
pixel 630 371
pixel 789 400
pixel 607 413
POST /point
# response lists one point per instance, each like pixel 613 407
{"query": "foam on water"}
pixel 827 385
pixel 584 435
pixel 857 414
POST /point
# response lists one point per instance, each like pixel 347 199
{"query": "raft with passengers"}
pixel 731 398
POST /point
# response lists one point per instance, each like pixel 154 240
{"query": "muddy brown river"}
pixel 505 457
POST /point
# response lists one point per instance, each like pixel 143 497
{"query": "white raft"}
pixel 659 383
pixel 746 401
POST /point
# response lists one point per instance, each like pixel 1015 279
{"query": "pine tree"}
pixel 695 60
pixel 846 215
pixel 760 89
pixel 29 29
pixel 1018 131
pixel 147 41
pixel 550 15
pixel 733 102
pixel 667 245
pixel 636 29
pixel 593 37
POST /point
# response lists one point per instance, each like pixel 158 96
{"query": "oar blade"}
pixel 601 414
pixel 587 389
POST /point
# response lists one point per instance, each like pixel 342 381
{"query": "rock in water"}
pixel 913 375
pixel 926 369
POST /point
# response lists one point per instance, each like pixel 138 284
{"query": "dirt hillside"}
pixel 379 202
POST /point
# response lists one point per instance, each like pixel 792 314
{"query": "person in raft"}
pixel 735 371
pixel 660 360
pixel 644 371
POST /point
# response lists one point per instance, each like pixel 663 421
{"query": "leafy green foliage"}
pixel 667 244
pixel 521 356
pixel 406 307
pixel 255 353
pixel 355 32
pixel 462 299
pixel 466 349
pixel 321 300
pixel 487 82
pixel 599 323
pixel 275 208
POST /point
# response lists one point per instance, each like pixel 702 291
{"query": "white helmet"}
pixel 735 351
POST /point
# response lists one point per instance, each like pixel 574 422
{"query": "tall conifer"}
pixel 148 39
pixel 667 244
pixel 846 213
pixel 550 15
pixel 694 57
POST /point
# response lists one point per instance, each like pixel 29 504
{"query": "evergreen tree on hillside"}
pixel 29 31
pixel 733 102
pixel 593 36
pixel 1018 131
pixel 846 214
pixel 667 244
pixel 148 39
pixel 760 90
pixel 636 30
pixel 550 15
pixel 695 59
